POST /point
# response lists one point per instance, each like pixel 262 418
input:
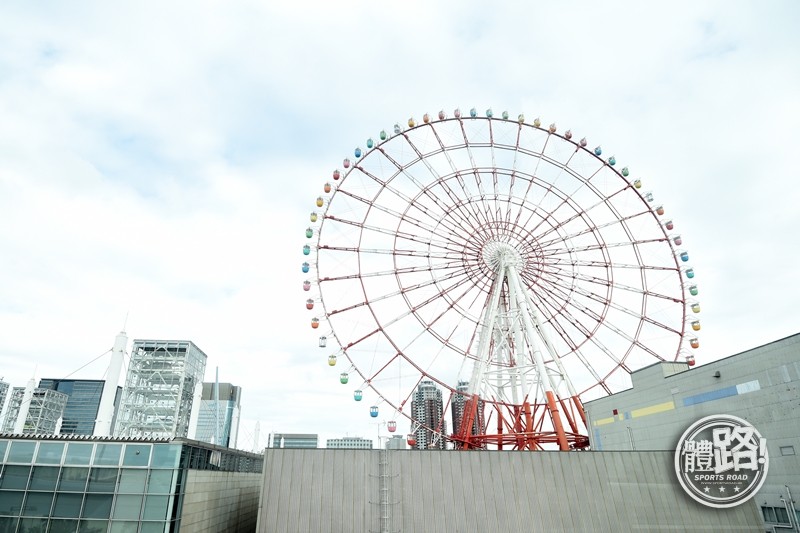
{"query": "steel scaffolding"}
pixel 163 379
pixel 45 409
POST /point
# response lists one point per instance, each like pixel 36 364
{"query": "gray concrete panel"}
pixel 436 491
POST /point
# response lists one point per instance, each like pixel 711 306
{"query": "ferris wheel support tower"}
pixel 510 362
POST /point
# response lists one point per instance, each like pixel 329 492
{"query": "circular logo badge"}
pixel 721 461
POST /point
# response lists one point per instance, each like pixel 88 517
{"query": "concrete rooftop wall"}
pixel 482 491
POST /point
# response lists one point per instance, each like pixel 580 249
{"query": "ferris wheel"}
pixel 479 277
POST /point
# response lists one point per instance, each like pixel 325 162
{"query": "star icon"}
pixel 722 489
pixel 735 489
pixel 707 489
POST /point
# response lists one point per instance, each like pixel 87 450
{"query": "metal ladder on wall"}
pixel 384 493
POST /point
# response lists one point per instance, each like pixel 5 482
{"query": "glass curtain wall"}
pixel 90 487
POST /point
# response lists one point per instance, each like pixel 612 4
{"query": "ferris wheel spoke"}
pixel 400 292
pixel 395 272
pixel 436 216
pixel 574 348
pixel 605 282
pixel 515 175
pixel 451 225
pixel 402 170
pixel 644 294
pixel 429 325
pixel 493 167
pixel 456 173
pixel 405 235
pixel 554 264
pixel 580 213
pixel 553 256
pixel 444 183
pixel 622 222
pixel 474 166
pixel 449 255
pixel 563 168
pixel 556 277
pixel 592 339
pixel 535 172
pixel 602 321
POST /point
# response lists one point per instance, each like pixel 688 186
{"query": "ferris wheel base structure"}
pixel 483 276
pixel 523 430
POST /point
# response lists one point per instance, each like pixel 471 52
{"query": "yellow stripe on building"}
pixel 604 421
pixel 653 409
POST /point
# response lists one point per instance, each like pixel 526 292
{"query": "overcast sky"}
pixel 158 162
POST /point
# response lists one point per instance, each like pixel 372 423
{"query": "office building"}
pixel 83 402
pixel 162 387
pixel 457 410
pixel 34 411
pixel 396 442
pixel 349 443
pixel 97 485
pixel 218 418
pixel 293 440
pixel 428 409
pixel 761 386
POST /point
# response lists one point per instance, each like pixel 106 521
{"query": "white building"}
pixel 349 443
pixel 34 411
pixel 162 389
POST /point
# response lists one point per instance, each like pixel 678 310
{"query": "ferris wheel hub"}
pixel 497 254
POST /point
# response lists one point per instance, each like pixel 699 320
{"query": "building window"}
pixel 78 453
pixel 775 515
pixel 44 478
pixel 15 477
pixel 50 453
pixel 787 450
pixel 107 454
pixel 21 452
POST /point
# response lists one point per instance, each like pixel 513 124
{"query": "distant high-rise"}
pixel 163 384
pixel 34 411
pixel 457 410
pixel 83 403
pixel 218 418
pixel 396 442
pixel 349 443
pixel 294 440
pixel 428 409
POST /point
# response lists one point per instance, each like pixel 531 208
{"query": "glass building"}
pixel 81 485
pixel 164 379
pixel 218 418
pixel 84 395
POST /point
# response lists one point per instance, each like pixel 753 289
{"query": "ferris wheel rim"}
pixel 369 377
